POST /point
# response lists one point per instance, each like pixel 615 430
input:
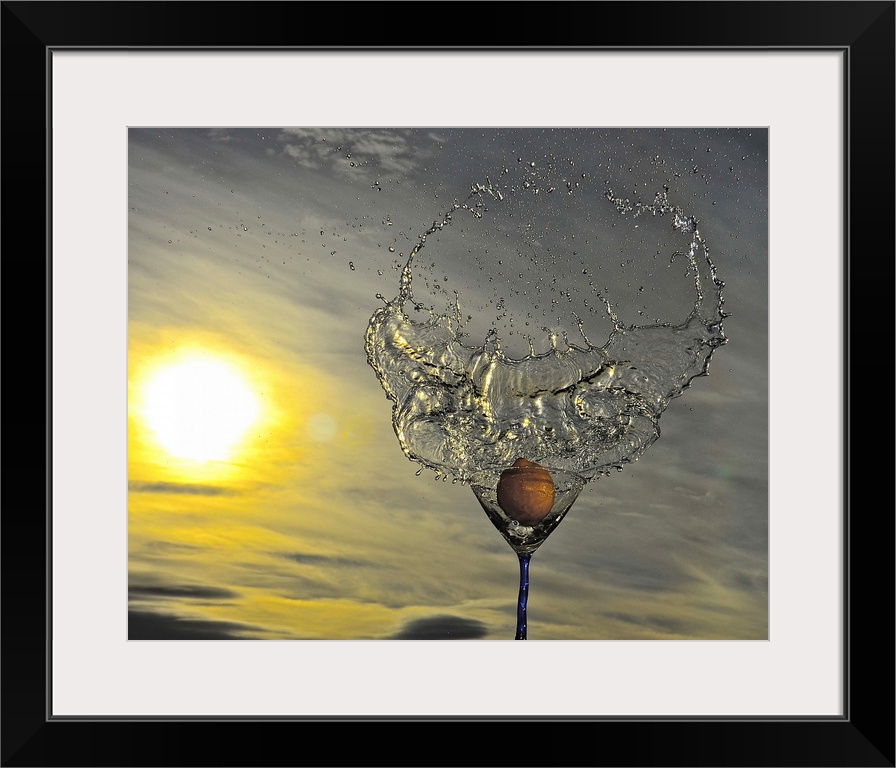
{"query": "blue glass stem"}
pixel 524 595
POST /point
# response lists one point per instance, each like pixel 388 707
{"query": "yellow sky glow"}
pixel 200 408
pixel 197 408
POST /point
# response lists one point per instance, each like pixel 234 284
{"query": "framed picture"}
pixel 232 218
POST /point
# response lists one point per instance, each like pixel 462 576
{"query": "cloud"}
pixel 442 628
pixel 185 488
pixel 169 546
pixel 149 625
pixel 181 591
pixel 664 625
pixel 351 150
pixel 324 560
pixel 630 571
pixel 218 134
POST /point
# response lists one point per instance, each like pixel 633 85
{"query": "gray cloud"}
pixel 636 573
pixel 149 625
pixel 666 625
pixel 219 134
pixel 184 488
pixel 325 560
pixel 442 628
pixel 169 547
pixel 180 591
pixel 350 150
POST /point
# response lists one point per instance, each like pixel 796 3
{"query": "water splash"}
pixel 459 408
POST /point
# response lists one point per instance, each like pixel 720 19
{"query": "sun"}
pixel 199 408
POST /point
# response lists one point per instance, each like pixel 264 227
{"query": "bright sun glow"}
pixel 200 408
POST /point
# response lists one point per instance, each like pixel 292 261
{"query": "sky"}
pixel 269 497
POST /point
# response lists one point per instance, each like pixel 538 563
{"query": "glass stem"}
pixel 524 595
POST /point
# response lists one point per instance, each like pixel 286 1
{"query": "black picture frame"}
pixel 864 736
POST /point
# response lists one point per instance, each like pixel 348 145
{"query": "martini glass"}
pixel 526 536
pixel 467 411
